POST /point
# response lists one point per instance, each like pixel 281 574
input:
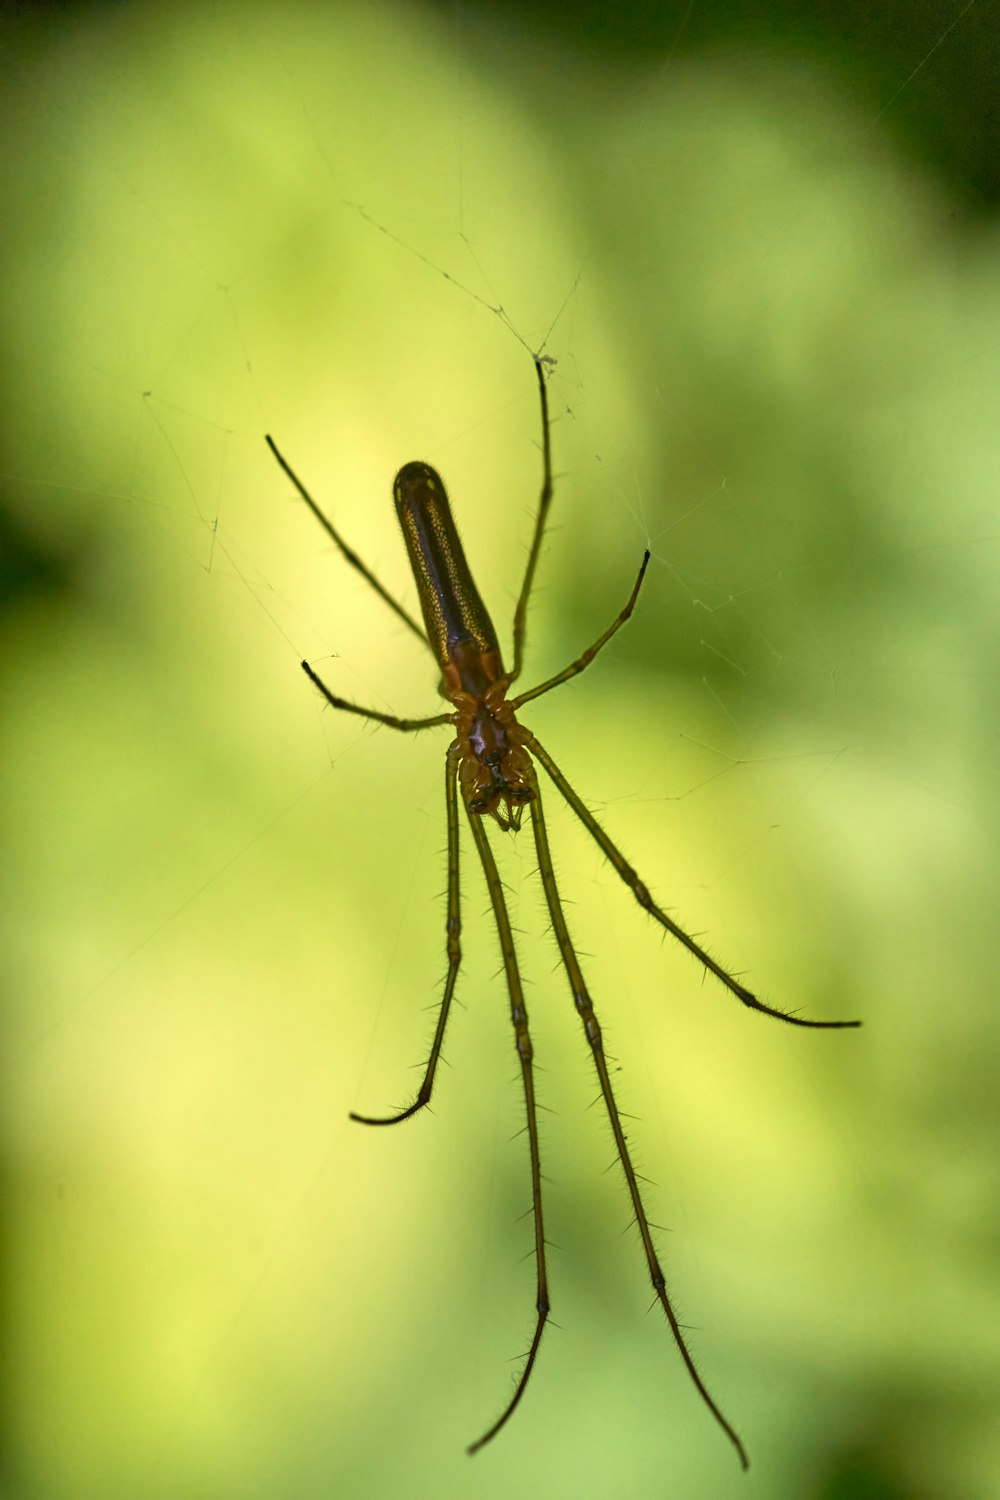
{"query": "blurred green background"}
pixel 777 327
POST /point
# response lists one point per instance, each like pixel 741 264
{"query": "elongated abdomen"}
pixel 458 625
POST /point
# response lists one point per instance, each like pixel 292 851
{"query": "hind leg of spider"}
pixel 454 949
pixel 519 1016
pixel 406 725
pixel 582 1001
pixel 348 553
pixel 645 900
pixel 544 501
pixel 591 651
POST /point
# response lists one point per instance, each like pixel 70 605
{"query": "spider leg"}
pixel 544 501
pixel 519 1016
pixel 407 725
pixel 645 900
pixel 582 1001
pixel 348 553
pixel 454 950
pixel 591 651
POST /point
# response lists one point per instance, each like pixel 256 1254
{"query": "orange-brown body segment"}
pixel 495 771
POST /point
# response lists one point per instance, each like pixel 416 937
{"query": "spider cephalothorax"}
pixel 495 769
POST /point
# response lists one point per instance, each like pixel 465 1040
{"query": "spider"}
pixel 490 764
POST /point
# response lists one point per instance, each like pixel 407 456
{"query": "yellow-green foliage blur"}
pixel 778 366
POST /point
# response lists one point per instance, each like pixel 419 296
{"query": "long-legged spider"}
pixel 490 760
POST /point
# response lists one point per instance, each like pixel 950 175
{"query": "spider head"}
pixel 496 772
pixel 489 792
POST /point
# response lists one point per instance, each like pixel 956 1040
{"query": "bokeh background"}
pixel 764 257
